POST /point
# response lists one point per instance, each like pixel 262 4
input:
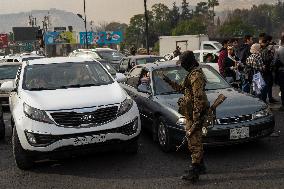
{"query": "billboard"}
pixel 25 33
pixel 3 40
pixel 51 38
pixel 102 38
pixel 83 38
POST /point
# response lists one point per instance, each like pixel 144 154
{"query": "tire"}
pixel 132 148
pixel 2 129
pixel 163 135
pixel 23 160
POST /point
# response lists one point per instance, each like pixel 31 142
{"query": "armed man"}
pixel 194 106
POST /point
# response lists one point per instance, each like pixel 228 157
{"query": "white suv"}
pixel 60 104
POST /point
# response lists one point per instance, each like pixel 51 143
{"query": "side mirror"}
pixel 120 78
pixel 7 86
pixel 143 88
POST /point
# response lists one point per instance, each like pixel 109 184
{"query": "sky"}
pixel 99 11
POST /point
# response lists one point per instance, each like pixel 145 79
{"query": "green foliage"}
pixel 236 27
pixel 174 15
pixel 185 12
pixel 190 27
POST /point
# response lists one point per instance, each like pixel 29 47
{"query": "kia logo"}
pixel 87 118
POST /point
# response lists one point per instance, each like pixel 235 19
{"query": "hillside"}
pixel 58 18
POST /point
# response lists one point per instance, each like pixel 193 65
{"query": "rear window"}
pixel 8 72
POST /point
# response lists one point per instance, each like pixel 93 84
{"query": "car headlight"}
pixel 36 114
pixel 125 106
pixel 181 121
pixel 262 113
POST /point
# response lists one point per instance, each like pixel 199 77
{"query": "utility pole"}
pixel 146 27
pixel 85 20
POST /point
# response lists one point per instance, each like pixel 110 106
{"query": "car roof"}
pixel 58 60
pixel 144 56
pixel 166 64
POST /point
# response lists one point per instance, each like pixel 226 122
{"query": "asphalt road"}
pixel 253 165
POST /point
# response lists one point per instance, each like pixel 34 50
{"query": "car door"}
pixel 143 100
pixel 124 64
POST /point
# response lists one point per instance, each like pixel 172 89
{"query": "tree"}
pixel 116 26
pixel 185 12
pixel 212 4
pixel 135 31
pixel 236 27
pixel 174 15
pixel 190 27
pixel 161 19
pixel 201 9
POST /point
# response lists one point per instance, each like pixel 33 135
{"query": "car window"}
pixel 111 55
pixel 177 74
pixel 135 72
pixel 8 71
pixel 208 47
pixel 125 62
pixel 134 76
pixel 65 75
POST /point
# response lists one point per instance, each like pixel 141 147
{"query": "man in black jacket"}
pixel 244 49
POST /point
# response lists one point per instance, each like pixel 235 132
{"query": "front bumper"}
pixel 50 137
pixel 219 135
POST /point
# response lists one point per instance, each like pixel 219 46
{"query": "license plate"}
pixel 239 133
pixel 89 140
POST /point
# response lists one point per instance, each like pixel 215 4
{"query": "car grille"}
pixel 234 120
pixel 98 117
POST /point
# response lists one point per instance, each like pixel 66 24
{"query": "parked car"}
pixel 93 55
pixel 68 104
pixel 8 72
pixel 240 118
pixel 21 57
pixel 129 62
pixel 111 55
pixel 2 125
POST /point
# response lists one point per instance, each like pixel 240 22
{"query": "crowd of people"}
pixel 254 67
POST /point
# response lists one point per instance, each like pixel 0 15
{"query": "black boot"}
pixel 202 168
pixel 192 174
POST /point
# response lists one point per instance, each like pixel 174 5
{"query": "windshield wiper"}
pixel 76 86
pixel 40 89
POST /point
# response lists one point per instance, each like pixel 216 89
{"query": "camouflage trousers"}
pixel 195 145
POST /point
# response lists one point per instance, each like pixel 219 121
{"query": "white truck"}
pixel 187 42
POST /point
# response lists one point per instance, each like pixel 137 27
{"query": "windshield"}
pixel 177 74
pixel 92 55
pixel 65 75
pixel 8 71
pixel 149 60
pixel 111 55
pixel 109 68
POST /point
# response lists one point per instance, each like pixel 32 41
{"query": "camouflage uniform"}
pixel 194 106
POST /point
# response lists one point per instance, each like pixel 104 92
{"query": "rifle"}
pixel 210 119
